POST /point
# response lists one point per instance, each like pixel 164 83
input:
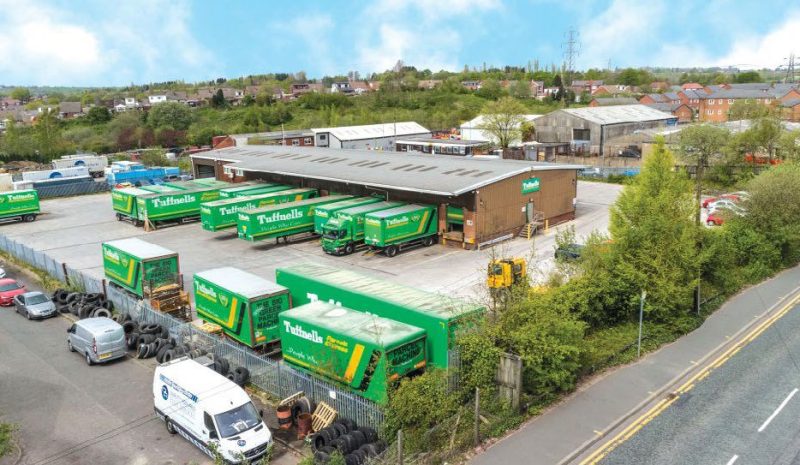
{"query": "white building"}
pixel 472 130
pixel 370 137
pixel 154 99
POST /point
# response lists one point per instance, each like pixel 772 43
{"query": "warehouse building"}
pixel 480 201
pixel 588 129
pixel 369 137
pixel 466 148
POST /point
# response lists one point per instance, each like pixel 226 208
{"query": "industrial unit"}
pixel 443 146
pixel 370 136
pixel 479 201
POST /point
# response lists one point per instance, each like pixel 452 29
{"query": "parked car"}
pixel 569 252
pixel 725 203
pixel 34 305
pixel 718 216
pixel 9 288
pixel 99 340
pixel 629 153
pixel 734 197
pixel 2 273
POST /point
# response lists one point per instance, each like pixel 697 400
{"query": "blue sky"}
pixel 102 42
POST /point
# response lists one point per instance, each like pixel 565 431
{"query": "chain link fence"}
pixel 277 379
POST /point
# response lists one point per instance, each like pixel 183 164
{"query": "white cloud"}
pixel 764 51
pixel 615 33
pixel 313 31
pixel 413 47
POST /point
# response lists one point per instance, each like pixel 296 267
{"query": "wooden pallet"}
pixel 210 328
pixel 323 416
pixel 292 399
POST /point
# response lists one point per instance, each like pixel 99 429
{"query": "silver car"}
pixel 99 340
pixel 34 305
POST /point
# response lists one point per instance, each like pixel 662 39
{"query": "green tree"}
pixel 490 89
pixel 170 114
pixel 47 132
pixel 748 76
pixel 154 157
pixel 747 109
pixel 503 119
pixel 789 146
pixel 700 145
pixel 218 99
pixel 98 115
pixel 774 209
pixel 520 89
pixel 21 93
pixel 766 133
pixel 655 238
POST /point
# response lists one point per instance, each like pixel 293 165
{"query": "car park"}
pixel 34 305
pixel 99 340
pixel 10 288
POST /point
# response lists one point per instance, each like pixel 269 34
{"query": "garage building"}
pixel 370 136
pixel 480 201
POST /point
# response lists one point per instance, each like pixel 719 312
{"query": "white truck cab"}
pixel 210 411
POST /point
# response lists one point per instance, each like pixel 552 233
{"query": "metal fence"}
pixel 275 378
pixel 66 190
pixel 606 171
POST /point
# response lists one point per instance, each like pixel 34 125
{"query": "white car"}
pixel 2 273
pixel 725 203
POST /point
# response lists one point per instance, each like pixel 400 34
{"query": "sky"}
pixel 119 42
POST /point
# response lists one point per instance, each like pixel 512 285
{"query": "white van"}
pixel 210 411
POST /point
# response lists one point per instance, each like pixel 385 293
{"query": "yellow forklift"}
pixel 503 274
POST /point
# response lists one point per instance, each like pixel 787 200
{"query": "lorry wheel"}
pixel 170 427
pixel 391 251
pixel 28 218
pixel 137 223
pixel 119 216
pixel 348 249
pixel 428 241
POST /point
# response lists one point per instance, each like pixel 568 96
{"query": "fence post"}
pixel 400 447
pixel 477 415
pixel 105 289
pixel 66 276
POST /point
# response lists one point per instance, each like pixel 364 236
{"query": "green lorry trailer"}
pixel 223 213
pixel 124 203
pixel 19 205
pixel 198 183
pixel 438 315
pixel 325 212
pixel 281 220
pixel 246 306
pixel 251 189
pixel 178 205
pixel 389 231
pixel 344 233
pixel 140 267
pixel 160 188
pixel 363 352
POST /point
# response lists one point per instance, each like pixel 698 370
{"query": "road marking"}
pixel 778 410
pixel 732 460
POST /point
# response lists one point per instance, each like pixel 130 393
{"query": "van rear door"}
pixel 110 342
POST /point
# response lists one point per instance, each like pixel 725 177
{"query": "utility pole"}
pixel 641 318
pixel 790 68
pixel 571 47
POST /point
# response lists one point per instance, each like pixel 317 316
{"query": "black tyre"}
pixel 341 445
pixel 125 316
pixel 102 313
pixel 145 339
pixel 323 438
pixel 323 455
pixel 60 296
pixel 85 311
pixel 230 376
pixel 69 346
pixel 109 305
pixel 164 334
pixel 360 454
pixel 74 308
pixel 349 248
pixel 380 445
pixel 390 251
pixel 370 435
pixel 241 376
pixel 170 427
pixel 169 354
pixel 221 366
pixel 370 450
pixel 141 352
pixel 150 328
pixel 353 459
pixel 160 354
pixel 89 359
pixel 132 340
pixel 340 429
pixel 350 424
pixel 28 218
pixel 303 405
pixel 129 326
pixel 429 241
pixel 93 297
pixel 73 297
pixel 358 438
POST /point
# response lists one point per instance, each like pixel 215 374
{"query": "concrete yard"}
pixel 71 230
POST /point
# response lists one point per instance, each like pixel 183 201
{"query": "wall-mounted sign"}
pixel 530 185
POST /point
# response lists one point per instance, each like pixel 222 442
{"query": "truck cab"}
pixel 337 237
pixel 210 411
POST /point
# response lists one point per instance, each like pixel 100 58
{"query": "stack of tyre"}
pixel 83 304
pixel 239 375
pixel 357 445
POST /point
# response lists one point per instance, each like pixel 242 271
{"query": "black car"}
pixel 629 153
pixel 569 252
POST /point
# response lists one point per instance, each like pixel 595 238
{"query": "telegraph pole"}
pixel 571 47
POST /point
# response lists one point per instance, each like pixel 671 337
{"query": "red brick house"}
pixel 680 110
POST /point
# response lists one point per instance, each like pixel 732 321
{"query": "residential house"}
pixel 691 97
pixel 374 85
pixel 608 101
pixel 120 107
pixel 682 111
pixel 611 90
pixel 659 85
pixel 471 85
pixel 537 89
pixel 692 86
pixel 429 84
pixel 67 110
pixel 715 106
pixel 299 88
pixel 790 110
pixel 579 86
pixel 9 103
pixel 252 91
pixel 130 102
pixel 360 87
pixel 156 99
pixel 652 98
pixel 342 87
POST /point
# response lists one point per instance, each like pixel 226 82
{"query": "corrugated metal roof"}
pixel 241 282
pixel 397 211
pixel 665 106
pixel 478 121
pixel 619 114
pixel 606 101
pixel 370 131
pixel 405 171
pixel 139 248
pixel 434 141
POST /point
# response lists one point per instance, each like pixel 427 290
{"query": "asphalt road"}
pixel 102 414
pixel 745 412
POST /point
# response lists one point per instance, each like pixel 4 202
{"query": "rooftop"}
pixel 606 101
pixel 477 121
pixel 433 140
pixel 369 131
pixel 241 282
pixel 450 176
pixel 665 106
pixel 619 114
pixel 140 248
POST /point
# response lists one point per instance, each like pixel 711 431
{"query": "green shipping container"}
pixel 159 188
pixel 124 202
pixel 343 233
pixel 198 183
pixel 223 213
pixel 438 315
pixel 138 266
pixel 23 204
pixel 362 352
pixel 251 189
pixel 281 220
pixel 174 205
pixel 455 215
pixel 246 306
pixel 390 230
pixel 324 213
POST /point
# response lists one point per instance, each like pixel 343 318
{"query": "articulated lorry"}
pixel 326 212
pixel 344 233
pixel 19 205
pixel 440 316
pixel 362 352
pixel 239 190
pixel 70 172
pixel 223 213
pixel 96 164
pixel 140 267
pixel 179 205
pixel 392 230
pixel 123 201
pixel 246 306
pixel 281 220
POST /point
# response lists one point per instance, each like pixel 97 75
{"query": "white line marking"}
pixel 778 410
pixel 732 460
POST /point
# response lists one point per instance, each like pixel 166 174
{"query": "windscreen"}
pixel 237 420
pixel 36 299
pixel 9 287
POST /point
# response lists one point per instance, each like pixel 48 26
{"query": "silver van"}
pixel 99 340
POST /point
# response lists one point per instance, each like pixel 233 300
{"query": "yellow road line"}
pixel 662 405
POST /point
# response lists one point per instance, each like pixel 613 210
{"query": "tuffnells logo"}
pixel 234 209
pixel 117 196
pixel 21 197
pixel 278 216
pixel 206 292
pixel 173 200
pixel 395 221
pixel 111 255
pixel 297 330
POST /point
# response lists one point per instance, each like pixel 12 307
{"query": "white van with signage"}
pixel 211 411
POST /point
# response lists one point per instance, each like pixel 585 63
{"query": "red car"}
pixel 9 288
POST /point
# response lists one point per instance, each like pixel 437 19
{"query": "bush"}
pixel 420 403
pixel 479 360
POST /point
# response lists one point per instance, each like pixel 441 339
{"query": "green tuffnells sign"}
pixel 530 185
